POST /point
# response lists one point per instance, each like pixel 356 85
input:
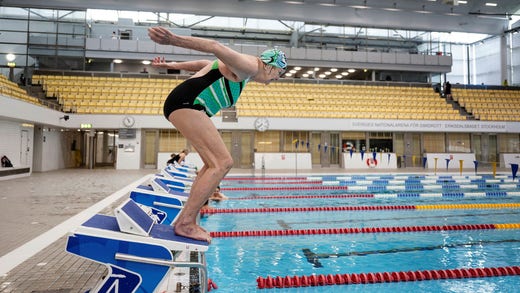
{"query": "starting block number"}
pixel 119 280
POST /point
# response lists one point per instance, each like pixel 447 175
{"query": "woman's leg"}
pixel 199 130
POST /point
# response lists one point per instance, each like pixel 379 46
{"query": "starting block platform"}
pixel 161 207
pixel 179 173
pixel 139 253
pixel 170 185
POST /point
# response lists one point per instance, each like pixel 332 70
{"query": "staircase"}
pixel 36 90
pixel 455 105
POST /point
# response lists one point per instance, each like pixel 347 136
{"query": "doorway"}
pixel 325 149
pixel 240 146
pixel 151 148
pixel 24 148
pixel 100 148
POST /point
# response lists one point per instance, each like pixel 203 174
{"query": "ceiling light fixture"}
pixel 329 4
pixel 364 6
pixel 294 2
pixel 394 8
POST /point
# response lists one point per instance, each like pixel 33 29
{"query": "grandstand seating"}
pixel 490 104
pixel 11 89
pixel 133 95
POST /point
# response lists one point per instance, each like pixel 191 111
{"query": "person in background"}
pixel 217 195
pixel 22 79
pixel 216 84
pixel 178 158
pixel 447 90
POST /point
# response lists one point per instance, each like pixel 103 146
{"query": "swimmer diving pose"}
pixel 215 85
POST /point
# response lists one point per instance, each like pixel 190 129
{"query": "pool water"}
pixel 235 263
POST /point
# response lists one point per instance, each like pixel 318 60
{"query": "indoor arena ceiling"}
pixel 472 16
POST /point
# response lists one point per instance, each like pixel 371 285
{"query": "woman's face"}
pixel 269 74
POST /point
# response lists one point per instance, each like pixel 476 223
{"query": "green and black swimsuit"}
pixel 210 93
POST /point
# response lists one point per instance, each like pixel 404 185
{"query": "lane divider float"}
pixel 321 187
pixel 384 277
pixel 353 195
pixel 362 208
pixel 492 194
pixel 331 231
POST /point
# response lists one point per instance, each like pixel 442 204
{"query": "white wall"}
pixel 294 161
pixel 129 152
pixel 507 159
pixel 52 150
pixel 11 144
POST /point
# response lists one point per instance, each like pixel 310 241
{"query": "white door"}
pixel 24 148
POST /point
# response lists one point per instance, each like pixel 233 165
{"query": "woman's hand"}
pixel 159 62
pixel 160 35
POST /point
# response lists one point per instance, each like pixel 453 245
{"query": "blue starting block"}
pixel 183 168
pixel 140 255
pixel 164 208
pixel 178 172
pixel 166 185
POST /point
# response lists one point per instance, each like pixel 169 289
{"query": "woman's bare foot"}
pixel 192 231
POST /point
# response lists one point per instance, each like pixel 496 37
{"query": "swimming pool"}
pixel 380 230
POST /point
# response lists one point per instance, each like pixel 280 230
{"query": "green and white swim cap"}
pixel 274 57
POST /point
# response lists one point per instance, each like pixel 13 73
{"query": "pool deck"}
pixel 37 212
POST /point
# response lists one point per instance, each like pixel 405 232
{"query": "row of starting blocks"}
pixel 137 243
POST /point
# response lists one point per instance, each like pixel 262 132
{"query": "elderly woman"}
pixel 215 85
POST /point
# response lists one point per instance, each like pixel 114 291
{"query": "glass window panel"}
pixel 399 144
pixel 509 143
pixel 13 12
pixel 267 142
pixel 458 142
pixel 335 149
pixel 296 141
pixel 315 152
pixel 245 150
pixel 150 146
pixel 170 140
pixel 433 143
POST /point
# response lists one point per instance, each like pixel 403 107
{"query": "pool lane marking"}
pixel 378 220
pixel 384 277
pixel 18 255
pixel 469 206
pixel 353 195
pixel 488 194
pixel 392 229
pixel 314 258
pixel 362 208
pixel 373 188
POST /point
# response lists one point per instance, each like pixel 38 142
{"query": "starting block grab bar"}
pixel 140 254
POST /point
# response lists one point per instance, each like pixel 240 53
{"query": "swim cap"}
pixel 274 57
